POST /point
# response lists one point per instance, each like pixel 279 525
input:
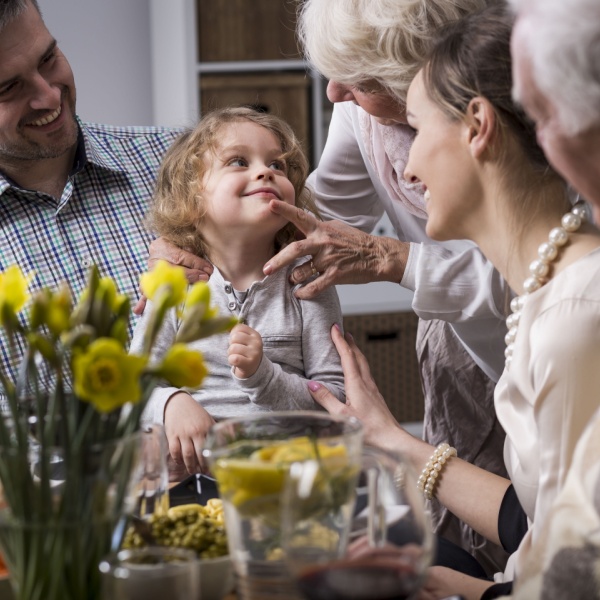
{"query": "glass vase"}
pixel 59 512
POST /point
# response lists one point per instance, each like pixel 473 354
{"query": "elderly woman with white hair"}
pixel 370 50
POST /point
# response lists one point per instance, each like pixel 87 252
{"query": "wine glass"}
pixel 374 544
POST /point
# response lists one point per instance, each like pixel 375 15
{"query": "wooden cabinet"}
pixel 286 94
pixel 247 54
pixel 251 30
pixel 211 53
pixel 388 341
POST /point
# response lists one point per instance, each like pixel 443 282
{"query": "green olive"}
pixel 187 527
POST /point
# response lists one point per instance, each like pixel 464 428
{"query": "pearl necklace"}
pixel 539 269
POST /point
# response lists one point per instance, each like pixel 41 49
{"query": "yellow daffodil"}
pixel 13 290
pixel 165 276
pixel 78 391
pixel 106 376
pixel 183 367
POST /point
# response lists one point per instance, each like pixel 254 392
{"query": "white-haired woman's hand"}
pixel 340 253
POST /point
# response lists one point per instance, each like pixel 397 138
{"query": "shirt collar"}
pixel 94 152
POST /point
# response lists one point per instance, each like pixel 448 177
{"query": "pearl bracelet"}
pixel 429 475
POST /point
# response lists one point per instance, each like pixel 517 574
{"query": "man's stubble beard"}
pixel 31 150
pixel 26 149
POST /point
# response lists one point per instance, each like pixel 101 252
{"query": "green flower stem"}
pixel 83 428
pixel 161 304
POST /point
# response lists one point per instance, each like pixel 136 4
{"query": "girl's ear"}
pixel 481 125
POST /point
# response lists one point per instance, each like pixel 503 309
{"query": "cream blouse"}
pixel 551 391
pixel 565 562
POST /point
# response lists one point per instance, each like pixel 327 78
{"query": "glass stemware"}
pixel 374 544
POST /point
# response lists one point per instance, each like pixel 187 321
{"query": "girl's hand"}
pixel 363 399
pixel 245 350
pixel 186 426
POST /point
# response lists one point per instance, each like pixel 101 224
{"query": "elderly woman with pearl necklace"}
pixel 486 179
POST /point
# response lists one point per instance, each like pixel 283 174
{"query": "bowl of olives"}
pixel 196 527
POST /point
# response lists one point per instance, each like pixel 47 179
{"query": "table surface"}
pixel 6 591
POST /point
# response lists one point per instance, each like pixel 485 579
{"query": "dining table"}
pixel 7 594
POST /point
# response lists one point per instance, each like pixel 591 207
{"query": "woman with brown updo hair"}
pixel 485 179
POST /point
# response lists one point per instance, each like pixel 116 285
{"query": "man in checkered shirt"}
pixel 72 194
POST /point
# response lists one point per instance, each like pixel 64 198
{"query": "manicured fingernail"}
pixel 314 386
pixel 267 269
pixel 337 326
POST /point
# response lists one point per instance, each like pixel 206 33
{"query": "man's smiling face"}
pixel 37 92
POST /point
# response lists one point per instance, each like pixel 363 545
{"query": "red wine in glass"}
pixel 352 580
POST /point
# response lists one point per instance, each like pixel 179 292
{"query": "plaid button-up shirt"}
pixel 98 220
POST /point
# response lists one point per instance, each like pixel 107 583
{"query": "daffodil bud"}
pixel 106 292
pixel 13 291
pixel 59 309
pixel 165 276
pixel 44 346
pixel 119 331
pixel 39 309
pixel 183 367
pixel 195 325
pixel 85 304
pixel 199 293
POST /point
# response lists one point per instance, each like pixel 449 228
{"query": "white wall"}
pixel 108 45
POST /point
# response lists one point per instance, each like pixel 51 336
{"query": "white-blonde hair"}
pixel 178 207
pixel 563 43
pixel 386 41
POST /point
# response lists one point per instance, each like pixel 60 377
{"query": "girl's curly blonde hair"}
pixel 177 208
